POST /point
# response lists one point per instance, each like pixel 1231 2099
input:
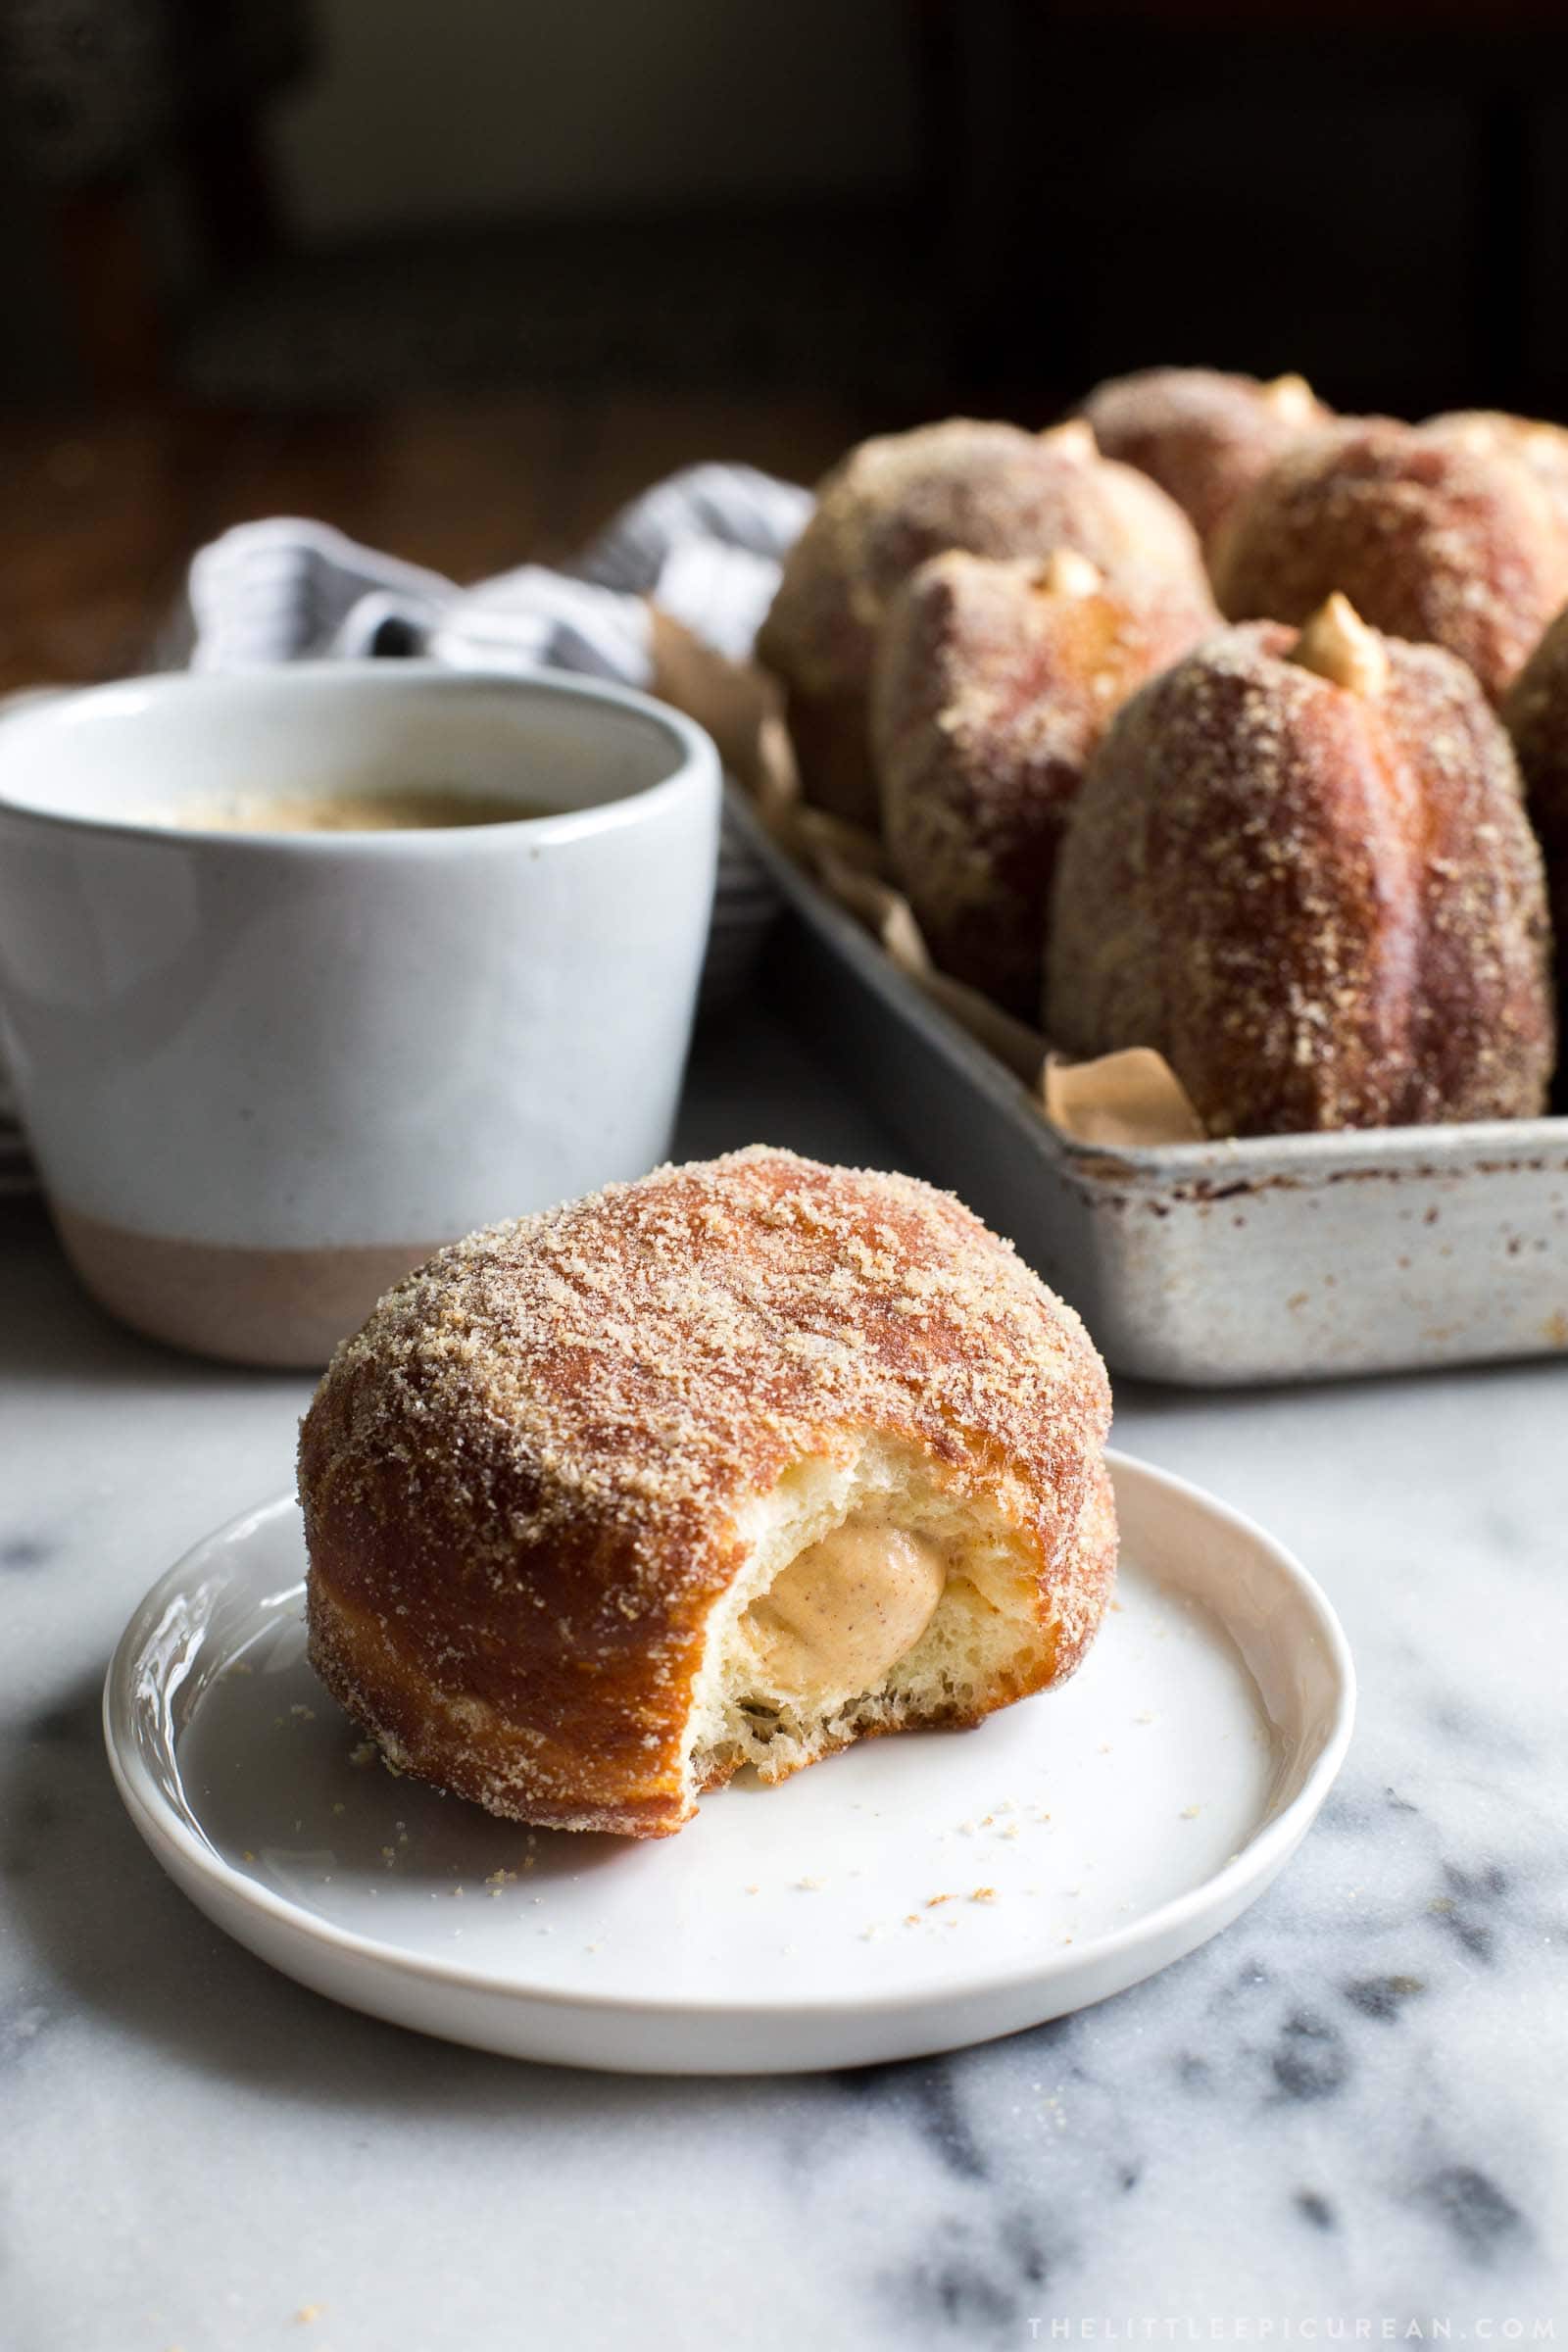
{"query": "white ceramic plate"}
pixel 911 1894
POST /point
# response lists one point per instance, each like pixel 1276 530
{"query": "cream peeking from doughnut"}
pixel 844 1611
pixel 730 1466
pixel 990 489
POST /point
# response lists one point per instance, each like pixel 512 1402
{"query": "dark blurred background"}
pixel 461 274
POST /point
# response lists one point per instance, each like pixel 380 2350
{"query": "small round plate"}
pixel 911 1894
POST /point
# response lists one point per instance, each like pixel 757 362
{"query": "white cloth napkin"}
pixel 706 545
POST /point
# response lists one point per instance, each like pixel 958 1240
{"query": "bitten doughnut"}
pixel 730 1466
pixel 1203 436
pixel 994 681
pixel 1535 714
pixel 991 489
pixel 1300 867
pixel 1429 538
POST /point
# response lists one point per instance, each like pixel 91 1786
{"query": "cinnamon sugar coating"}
pixel 526 1481
pixel 991 489
pixel 1539 447
pixel 1429 537
pixel 1536 715
pixel 1205 437
pixel 1325 907
pixel 993 684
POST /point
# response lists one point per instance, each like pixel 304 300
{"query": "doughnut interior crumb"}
pixel 985 1625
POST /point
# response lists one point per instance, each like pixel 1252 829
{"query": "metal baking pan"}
pixel 1264 1259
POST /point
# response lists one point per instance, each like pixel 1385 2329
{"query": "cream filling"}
pixel 1074 438
pixel 880 1590
pixel 844 1611
pixel 1292 398
pixel 1337 644
pixel 1068 573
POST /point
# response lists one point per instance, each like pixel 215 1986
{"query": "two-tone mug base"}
pixel 281 1308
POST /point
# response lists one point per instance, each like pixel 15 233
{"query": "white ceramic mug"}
pixel 265 1073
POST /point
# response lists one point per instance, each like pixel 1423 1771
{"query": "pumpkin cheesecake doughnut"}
pixel 1203 436
pixel 730 1466
pixel 994 682
pixel 991 489
pixel 1300 867
pixel 1431 535
pixel 1540 448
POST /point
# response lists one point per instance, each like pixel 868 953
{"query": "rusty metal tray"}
pixel 1264 1259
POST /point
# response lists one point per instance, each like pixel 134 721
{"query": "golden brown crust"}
pixel 1536 715
pixel 991 489
pixel 1203 436
pixel 1430 538
pixel 994 682
pixel 523 1479
pixel 1324 908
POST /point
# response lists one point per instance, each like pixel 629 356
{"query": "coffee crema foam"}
pixel 415 808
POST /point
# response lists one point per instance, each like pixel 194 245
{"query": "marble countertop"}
pixel 1347 2108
